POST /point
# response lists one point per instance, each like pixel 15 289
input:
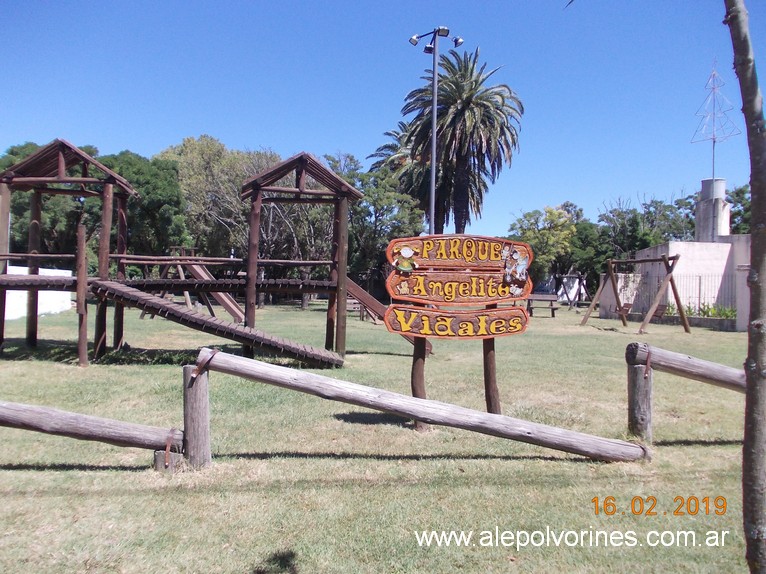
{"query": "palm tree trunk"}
pixel 754 449
pixel 461 193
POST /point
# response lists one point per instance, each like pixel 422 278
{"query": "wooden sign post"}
pixel 433 274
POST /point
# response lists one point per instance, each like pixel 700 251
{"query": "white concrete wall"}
pixel 48 301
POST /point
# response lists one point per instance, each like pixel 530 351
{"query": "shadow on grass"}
pixel 381 353
pixel 698 442
pixel 63 467
pixel 282 562
pixel 390 457
pixel 66 352
pixel 374 419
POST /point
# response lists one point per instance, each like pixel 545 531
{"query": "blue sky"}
pixel 610 88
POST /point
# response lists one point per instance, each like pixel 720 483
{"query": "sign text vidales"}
pixel 457 270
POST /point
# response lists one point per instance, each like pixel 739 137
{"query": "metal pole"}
pixel 434 89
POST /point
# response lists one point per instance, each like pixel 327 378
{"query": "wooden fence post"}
pixel 640 401
pixel 196 418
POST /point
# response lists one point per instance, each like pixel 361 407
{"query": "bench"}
pixel 542 301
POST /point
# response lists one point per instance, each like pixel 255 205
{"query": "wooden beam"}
pixel 82 297
pixel 99 345
pixel 253 245
pixel 86 427
pixel 5 242
pixel 341 258
pixel 686 366
pixel 118 339
pixel 434 412
pixel 34 241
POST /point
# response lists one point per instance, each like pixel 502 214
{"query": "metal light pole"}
pixel 433 48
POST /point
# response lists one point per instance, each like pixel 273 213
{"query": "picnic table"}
pixel 542 301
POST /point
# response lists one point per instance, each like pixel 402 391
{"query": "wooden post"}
pixel 196 418
pixel 417 375
pixel 99 345
pixel 640 401
pixel 676 296
pixel 5 247
pixel 594 302
pixel 122 249
pixel 35 222
pixel 617 302
pixel 434 412
pixel 82 293
pixel 254 238
pixel 491 392
pixel 341 261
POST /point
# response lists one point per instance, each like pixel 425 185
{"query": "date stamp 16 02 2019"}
pixel 647 506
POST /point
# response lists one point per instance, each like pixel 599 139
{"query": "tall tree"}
pixel 477 133
pixel 754 448
pixel 550 234
pixel 210 176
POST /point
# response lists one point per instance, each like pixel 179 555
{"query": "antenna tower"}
pixel 714 124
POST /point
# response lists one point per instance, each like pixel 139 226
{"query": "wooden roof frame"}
pixel 302 164
pixel 45 171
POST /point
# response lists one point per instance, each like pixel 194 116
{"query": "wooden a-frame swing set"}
pixel 622 310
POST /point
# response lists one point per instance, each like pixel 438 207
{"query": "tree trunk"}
pixel 461 194
pixel 754 449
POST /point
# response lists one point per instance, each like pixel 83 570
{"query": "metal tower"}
pixel 714 124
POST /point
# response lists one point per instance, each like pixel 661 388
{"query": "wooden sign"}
pixel 459 252
pixel 458 270
pixel 457 287
pixel 455 324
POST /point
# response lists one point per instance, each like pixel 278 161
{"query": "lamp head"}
pixel 458 41
pixel 414 40
pixel 442 31
pixel 429 49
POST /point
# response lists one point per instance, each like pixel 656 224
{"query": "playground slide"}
pixel 131 297
pixel 374 307
pixel 224 299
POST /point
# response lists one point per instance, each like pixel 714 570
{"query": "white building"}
pixel 711 271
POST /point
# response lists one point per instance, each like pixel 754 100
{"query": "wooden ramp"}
pixel 131 297
pixel 374 307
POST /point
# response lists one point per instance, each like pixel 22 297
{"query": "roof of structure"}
pixel 303 164
pixel 48 171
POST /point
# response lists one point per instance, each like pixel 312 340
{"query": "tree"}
pixel 156 220
pixel 549 233
pixel 754 448
pixel 477 132
pixel 381 215
pixel 623 229
pixel 210 177
pixel 739 199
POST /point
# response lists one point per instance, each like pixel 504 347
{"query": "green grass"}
pixel 304 485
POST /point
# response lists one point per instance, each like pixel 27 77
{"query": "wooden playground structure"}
pixel 655 308
pixel 61 168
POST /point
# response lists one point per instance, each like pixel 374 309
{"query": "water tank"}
pixel 713 189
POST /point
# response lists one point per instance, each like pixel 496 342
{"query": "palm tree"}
pixel 477 132
pixel 412 174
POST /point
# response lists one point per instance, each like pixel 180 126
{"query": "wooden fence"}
pixel 193 442
pixel 169 444
pixel 643 359
pixel 429 411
